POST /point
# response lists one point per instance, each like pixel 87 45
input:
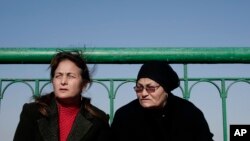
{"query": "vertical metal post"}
pixel 186 92
pixel 111 100
pixel 224 108
pixel 37 93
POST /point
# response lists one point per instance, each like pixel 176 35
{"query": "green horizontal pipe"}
pixel 130 55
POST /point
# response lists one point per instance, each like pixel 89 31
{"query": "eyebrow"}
pixel 67 73
pixel 150 84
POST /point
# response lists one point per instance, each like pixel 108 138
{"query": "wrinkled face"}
pixel 67 81
pixel 150 93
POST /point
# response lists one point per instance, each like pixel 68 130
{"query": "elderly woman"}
pixel 156 114
pixel 64 114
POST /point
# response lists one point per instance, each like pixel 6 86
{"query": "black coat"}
pixel 35 127
pixel 180 120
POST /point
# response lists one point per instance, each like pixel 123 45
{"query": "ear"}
pixel 166 94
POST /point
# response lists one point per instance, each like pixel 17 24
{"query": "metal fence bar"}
pixel 130 55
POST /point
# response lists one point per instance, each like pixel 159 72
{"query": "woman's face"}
pixel 67 81
pixel 150 93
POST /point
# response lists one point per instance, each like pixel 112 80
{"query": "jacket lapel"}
pixel 48 126
pixel 79 128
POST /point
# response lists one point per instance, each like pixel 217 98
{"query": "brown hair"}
pixel 77 58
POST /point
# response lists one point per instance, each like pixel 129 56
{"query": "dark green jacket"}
pixel 35 127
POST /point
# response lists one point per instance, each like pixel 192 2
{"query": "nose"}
pixel 64 80
pixel 144 93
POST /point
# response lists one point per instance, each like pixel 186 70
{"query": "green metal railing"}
pixel 130 55
pixel 183 56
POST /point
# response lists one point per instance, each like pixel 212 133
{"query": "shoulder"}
pixel 189 117
pixel 100 112
pixel 92 112
pixel 30 110
pixel 30 107
pixel 131 109
pixel 184 107
pixel 127 116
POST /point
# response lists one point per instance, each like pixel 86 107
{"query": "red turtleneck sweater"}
pixel 67 115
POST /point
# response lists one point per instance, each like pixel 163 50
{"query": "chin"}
pixel 63 97
pixel 149 106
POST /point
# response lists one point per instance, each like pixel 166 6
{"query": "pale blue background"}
pixel 128 23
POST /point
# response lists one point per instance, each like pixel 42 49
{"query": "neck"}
pixel 69 102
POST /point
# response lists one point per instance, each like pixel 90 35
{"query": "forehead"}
pixel 146 81
pixel 67 66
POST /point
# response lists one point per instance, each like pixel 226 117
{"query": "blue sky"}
pixel 127 23
pixel 124 23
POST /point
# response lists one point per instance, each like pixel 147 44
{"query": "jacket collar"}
pixel 48 126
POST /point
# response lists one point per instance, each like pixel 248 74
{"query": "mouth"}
pixel 144 99
pixel 63 90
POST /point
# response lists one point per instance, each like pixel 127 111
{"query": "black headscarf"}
pixel 162 73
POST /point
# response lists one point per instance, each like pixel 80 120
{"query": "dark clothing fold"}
pixel 33 126
pixel 179 120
